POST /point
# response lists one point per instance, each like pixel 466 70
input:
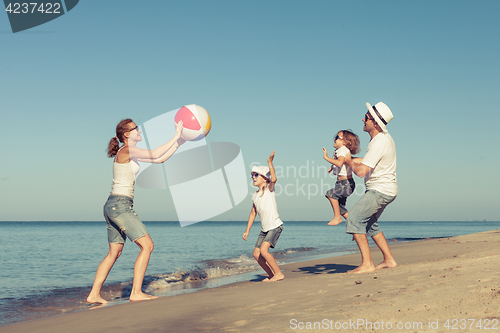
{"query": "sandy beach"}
pixel 440 285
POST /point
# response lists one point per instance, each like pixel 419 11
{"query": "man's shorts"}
pixel 270 236
pixel 363 217
pixel 343 188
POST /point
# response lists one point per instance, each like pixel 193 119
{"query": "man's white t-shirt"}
pixel 381 157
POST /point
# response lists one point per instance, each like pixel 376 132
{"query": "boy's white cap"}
pixel 263 171
pixel 381 113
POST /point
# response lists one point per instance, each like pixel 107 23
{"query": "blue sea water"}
pixel 47 268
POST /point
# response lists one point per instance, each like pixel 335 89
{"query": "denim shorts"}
pixel 270 236
pixel 122 220
pixel 343 188
pixel 363 217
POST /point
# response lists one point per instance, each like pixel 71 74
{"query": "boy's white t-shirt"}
pixel 267 209
pixel 343 170
pixel 381 157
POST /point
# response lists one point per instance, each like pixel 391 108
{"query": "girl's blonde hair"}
pixel 351 141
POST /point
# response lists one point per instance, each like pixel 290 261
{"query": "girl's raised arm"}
pixel 272 171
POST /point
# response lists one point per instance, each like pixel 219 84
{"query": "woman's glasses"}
pixel 130 130
pixel 254 175
pixel 337 137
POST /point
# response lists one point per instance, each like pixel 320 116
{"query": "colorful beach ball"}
pixel 196 122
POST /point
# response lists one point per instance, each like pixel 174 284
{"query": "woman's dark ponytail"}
pixel 114 143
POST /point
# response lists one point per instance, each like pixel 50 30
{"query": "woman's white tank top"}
pixel 124 177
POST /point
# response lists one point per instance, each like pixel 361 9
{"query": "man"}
pixel 378 167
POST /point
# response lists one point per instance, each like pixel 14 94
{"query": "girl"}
pixel 264 204
pixel 122 220
pixel 345 142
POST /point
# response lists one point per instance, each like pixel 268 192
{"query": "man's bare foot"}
pixel 277 277
pixel 362 269
pixel 267 279
pixel 336 221
pixel 96 299
pixel 141 297
pixel 387 264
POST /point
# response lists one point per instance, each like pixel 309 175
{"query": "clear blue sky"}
pixel 274 75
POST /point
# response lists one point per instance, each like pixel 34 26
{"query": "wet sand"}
pixel 440 285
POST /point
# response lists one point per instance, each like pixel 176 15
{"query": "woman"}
pixel 122 220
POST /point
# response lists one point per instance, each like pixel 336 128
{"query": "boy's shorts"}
pixel 343 188
pixel 363 217
pixel 270 236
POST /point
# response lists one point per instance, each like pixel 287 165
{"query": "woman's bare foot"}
pixel 141 297
pixel 387 264
pixel 336 221
pixel 277 277
pixel 96 299
pixel 362 269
